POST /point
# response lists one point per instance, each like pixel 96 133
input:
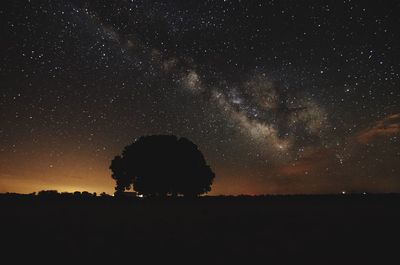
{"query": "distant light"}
pixel 140 195
pixel 344 192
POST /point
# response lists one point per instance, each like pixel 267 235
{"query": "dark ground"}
pixel 357 229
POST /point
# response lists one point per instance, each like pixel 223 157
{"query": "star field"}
pixel 280 96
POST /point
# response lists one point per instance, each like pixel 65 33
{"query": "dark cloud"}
pixel 388 126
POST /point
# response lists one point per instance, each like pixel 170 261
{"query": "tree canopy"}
pixel 162 165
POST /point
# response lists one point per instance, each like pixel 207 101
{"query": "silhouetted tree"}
pixel 103 194
pixel 48 193
pixel 161 165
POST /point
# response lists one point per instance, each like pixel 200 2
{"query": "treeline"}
pixel 54 194
pixel 128 196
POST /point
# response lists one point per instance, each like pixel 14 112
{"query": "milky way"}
pixel 281 97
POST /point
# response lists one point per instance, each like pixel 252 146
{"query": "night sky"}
pixel 280 96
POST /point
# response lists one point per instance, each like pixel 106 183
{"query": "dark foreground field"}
pixel 362 229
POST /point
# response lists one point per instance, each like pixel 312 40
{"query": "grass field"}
pixel 356 229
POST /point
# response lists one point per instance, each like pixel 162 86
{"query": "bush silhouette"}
pixel 162 165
